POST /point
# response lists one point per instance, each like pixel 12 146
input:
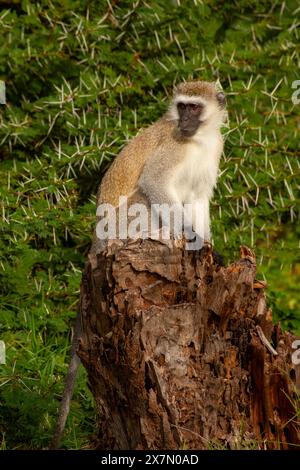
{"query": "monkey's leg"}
pixel 207 232
pixel 69 387
pixel 201 218
pixel 194 224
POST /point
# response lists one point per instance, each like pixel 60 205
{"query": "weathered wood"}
pixel 174 356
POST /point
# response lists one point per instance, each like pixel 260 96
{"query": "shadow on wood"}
pixel 178 352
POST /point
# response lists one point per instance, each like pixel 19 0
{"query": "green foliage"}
pixel 81 78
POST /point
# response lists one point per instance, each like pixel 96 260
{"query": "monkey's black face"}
pixel 189 118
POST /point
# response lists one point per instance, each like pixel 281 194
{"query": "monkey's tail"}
pixel 69 388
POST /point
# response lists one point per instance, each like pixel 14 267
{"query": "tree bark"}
pixel 177 352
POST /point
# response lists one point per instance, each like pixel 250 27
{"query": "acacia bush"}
pixel 81 78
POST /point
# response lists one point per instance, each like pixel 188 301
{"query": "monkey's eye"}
pixel 195 108
pixel 181 106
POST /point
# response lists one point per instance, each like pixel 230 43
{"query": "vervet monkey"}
pixel 174 161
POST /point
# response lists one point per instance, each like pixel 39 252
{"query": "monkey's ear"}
pixel 221 99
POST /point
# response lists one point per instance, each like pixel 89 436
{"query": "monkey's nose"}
pixel 183 122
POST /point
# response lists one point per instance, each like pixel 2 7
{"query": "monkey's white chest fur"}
pixel 196 175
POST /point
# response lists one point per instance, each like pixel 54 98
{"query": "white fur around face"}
pixel 189 99
pixel 212 115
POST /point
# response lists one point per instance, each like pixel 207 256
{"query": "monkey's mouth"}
pixel 190 131
pixel 187 132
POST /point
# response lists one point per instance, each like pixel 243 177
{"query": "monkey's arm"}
pixel 156 179
pixel 156 182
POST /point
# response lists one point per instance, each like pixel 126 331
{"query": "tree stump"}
pixel 177 352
